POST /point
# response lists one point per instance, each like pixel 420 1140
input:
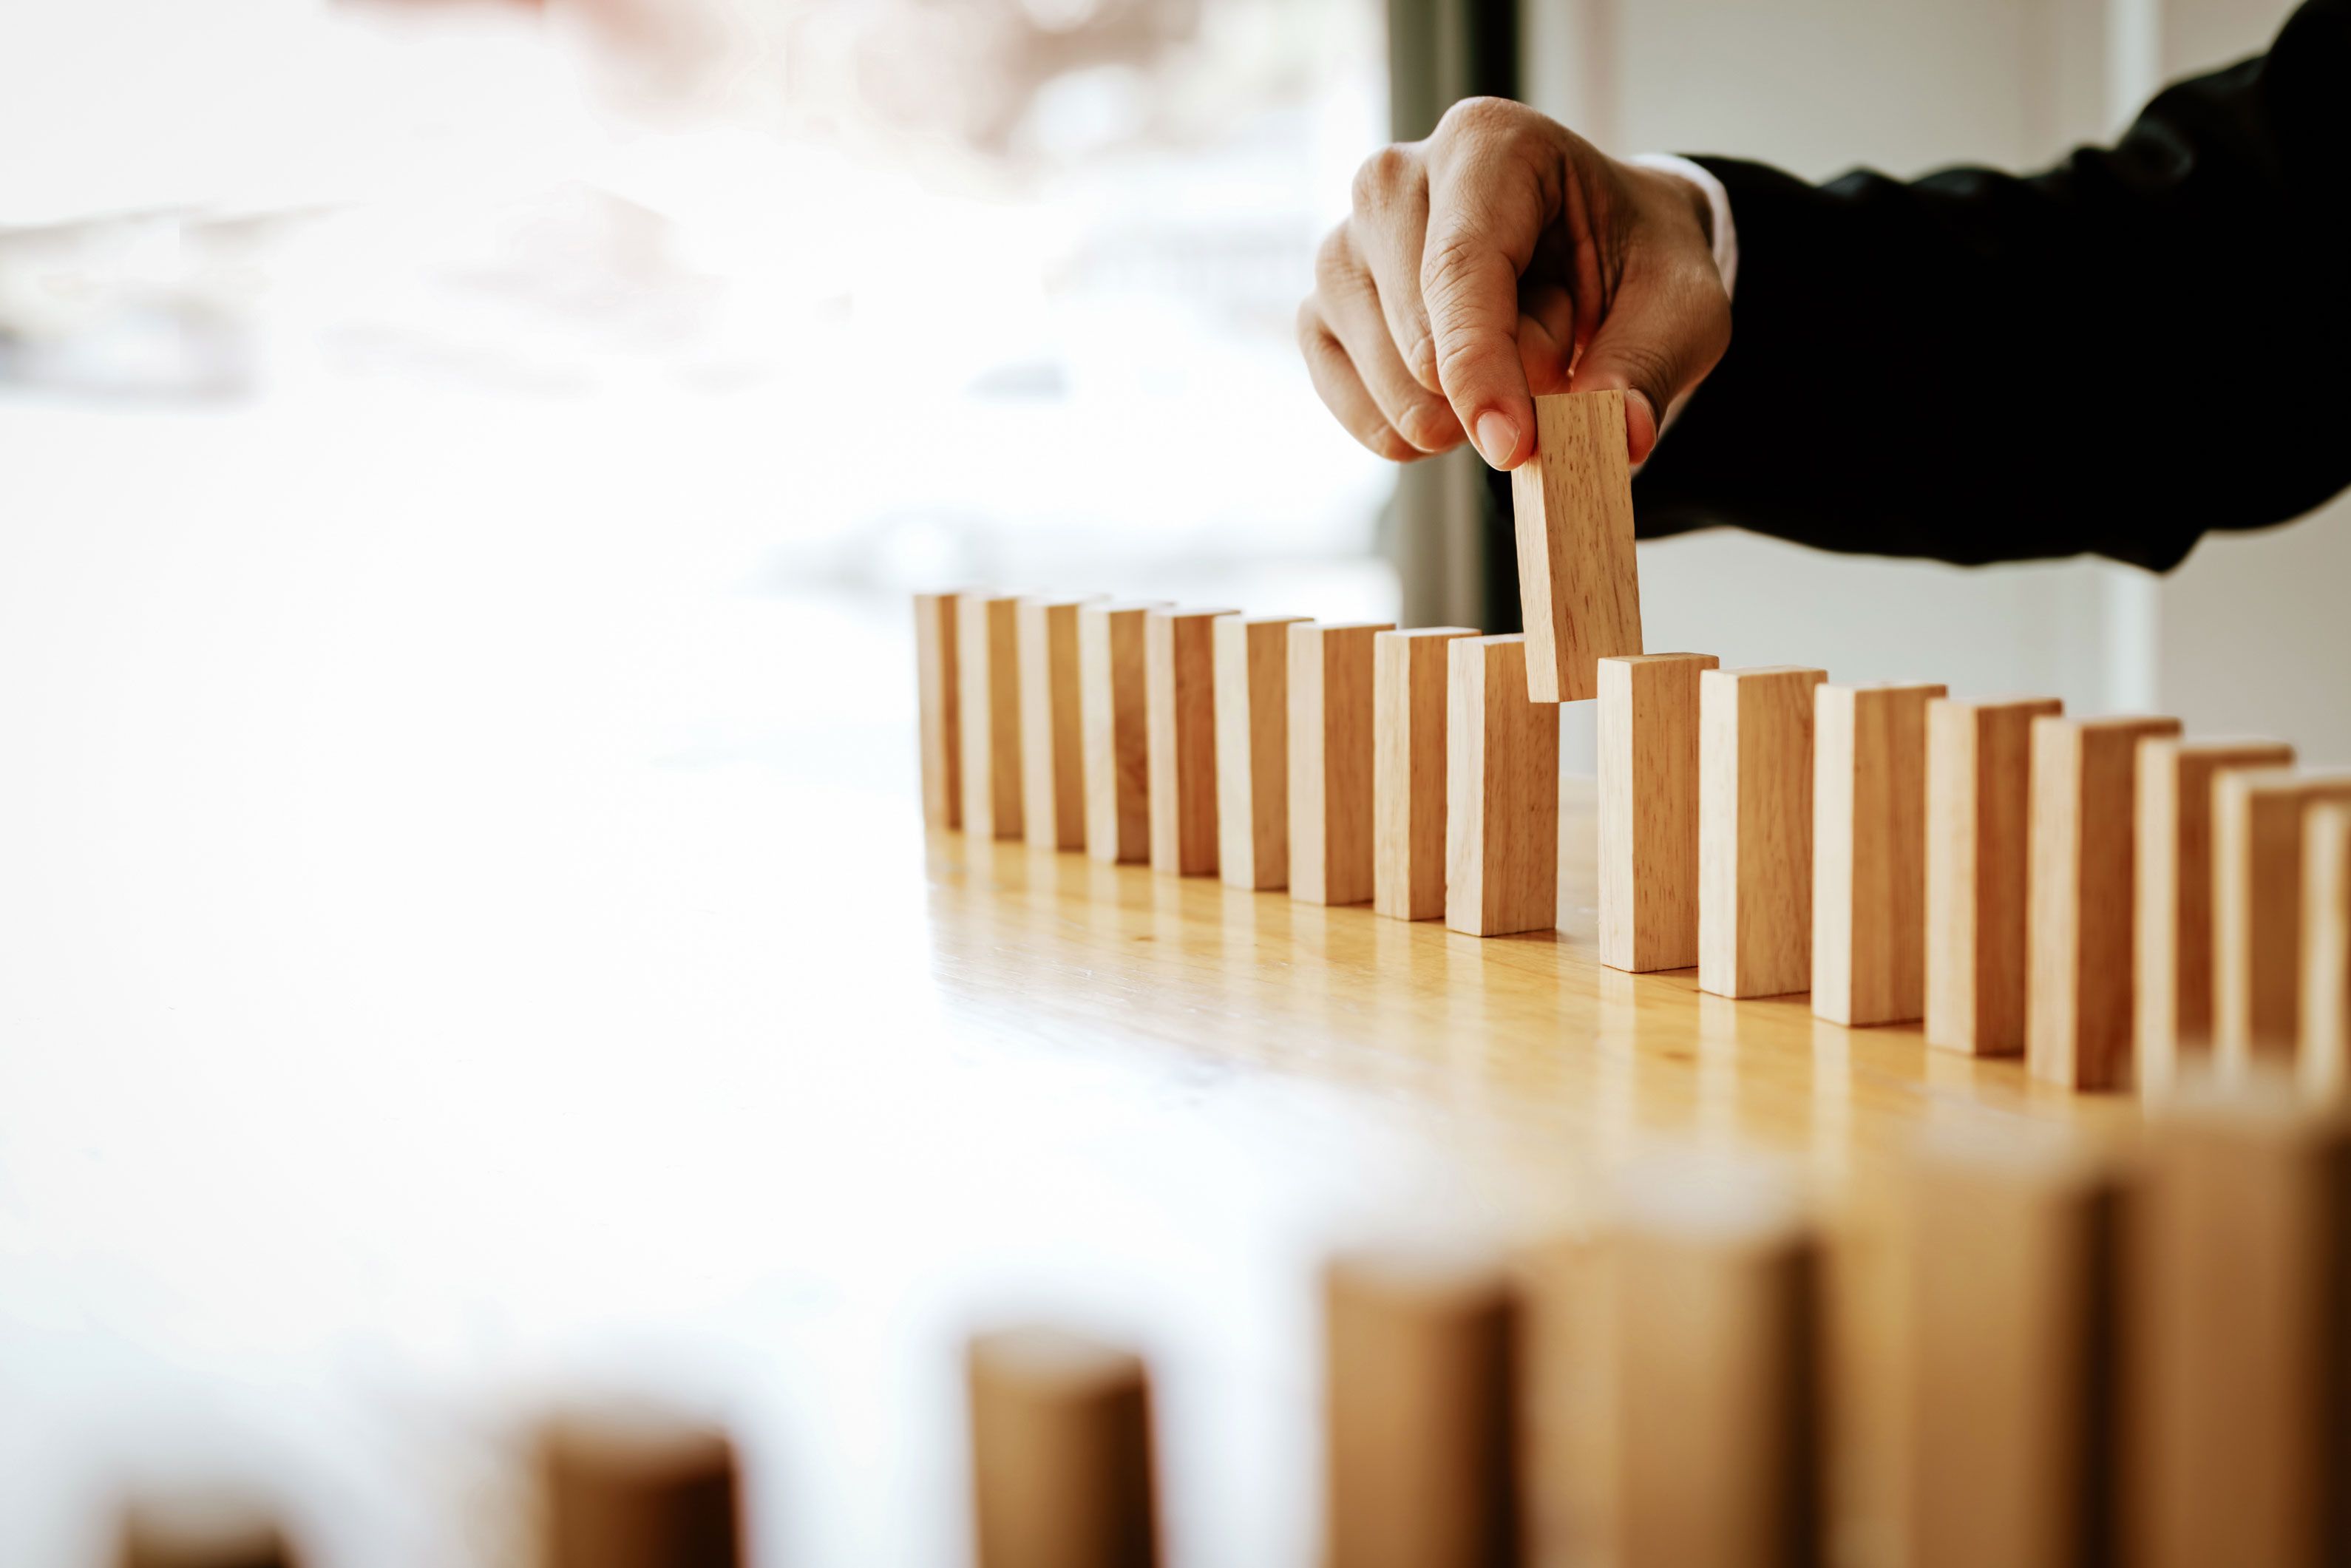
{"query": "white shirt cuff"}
pixel 1718 201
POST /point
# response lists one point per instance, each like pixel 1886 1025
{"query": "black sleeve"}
pixel 2143 343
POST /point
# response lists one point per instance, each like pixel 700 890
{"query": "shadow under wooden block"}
pixel 2172 924
pixel 1115 717
pixel 1052 761
pixel 639 1491
pixel 1253 749
pixel 1501 792
pixel 988 668
pixel 1330 761
pixel 1061 1452
pixel 938 698
pixel 1409 682
pixel 2323 1059
pixel 2258 820
pixel 1579 581
pixel 1978 816
pixel 1755 830
pixel 2080 899
pixel 1869 851
pixel 1180 723
pixel 1648 809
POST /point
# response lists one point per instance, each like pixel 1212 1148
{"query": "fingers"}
pixel 1343 391
pixel 1667 328
pixel 1390 229
pixel 1348 304
pixel 1486 208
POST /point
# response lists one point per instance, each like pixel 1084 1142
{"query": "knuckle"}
pixel 1481 117
pixel 1429 427
pixel 1383 176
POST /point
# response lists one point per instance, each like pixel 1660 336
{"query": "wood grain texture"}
pixel 1252 660
pixel 1409 681
pixel 2172 921
pixel 2258 819
pixel 1419 1397
pixel 1579 583
pixel 1755 830
pixel 2080 901
pixel 1869 851
pixel 1501 792
pixel 1115 716
pixel 1180 727
pixel 938 702
pixel 1330 760
pixel 639 1491
pixel 1979 821
pixel 2010 1254
pixel 2325 1057
pixel 1060 1453
pixel 987 670
pixel 1052 759
pixel 1648 809
pixel 2239 1381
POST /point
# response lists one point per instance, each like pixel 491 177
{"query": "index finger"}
pixel 1486 209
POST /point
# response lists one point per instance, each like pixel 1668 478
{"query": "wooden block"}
pixel 1978 817
pixel 1648 809
pixel 2238 1380
pixel 2079 900
pixel 988 669
pixel 2011 1256
pixel 1579 583
pixel 1252 660
pixel 1420 1394
pixel 2324 1058
pixel 639 1491
pixel 1501 792
pixel 1330 760
pixel 2172 921
pixel 1052 759
pixel 1755 830
pixel 1869 853
pixel 1408 688
pixel 2257 863
pixel 1717 1391
pixel 939 698
pixel 1060 1453
pixel 1113 714
pixel 1180 723
pixel 200 1529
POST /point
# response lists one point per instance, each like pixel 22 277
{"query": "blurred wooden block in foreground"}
pixel 1649 809
pixel 1578 580
pixel 1114 717
pixel 1061 1452
pixel 1409 682
pixel 1978 816
pixel 1869 853
pixel 1252 678
pixel 2325 1053
pixel 987 670
pixel 1180 710
pixel 938 698
pixel 639 1491
pixel 2257 822
pixel 1755 830
pixel 1501 792
pixel 200 1531
pixel 1330 746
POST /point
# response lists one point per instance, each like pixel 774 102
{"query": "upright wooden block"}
pixel 1115 715
pixel 1869 853
pixel 2172 925
pixel 2257 863
pixel 1755 830
pixel 1330 760
pixel 2238 1372
pixel 201 1531
pixel 1180 724
pixel 1053 761
pixel 1501 792
pixel 1418 1394
pixel 1648 809
pixel 1579 583
pixel 2010 1256
pixel 938 698
pixel 1408 763
pixel 1060 1453
pixel 1252 658
pixel 988 669
pixel 639 1491
pixel 2080 901
pixel 2324 1058
pixel 1978 817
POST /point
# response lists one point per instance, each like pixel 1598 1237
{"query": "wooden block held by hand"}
pixel 1330 760
pixel 1419 1397
pixel 1180 708
pixel 1648 809
pixel 1409 682
pixel 1053 761
pixel 1061 1452
pixel 639 1491
pixel 200 1529
pixel 1114 717
pixel 2325 1057
pixel 1252 658
pixel 2258 820
pixel 1579 583
pixel 1755 830
pixel 1501 792
pixel 939 695
pixel 988 668
pixel 1979 821
pixel 2080 899
pixel 1869 853
pixel 2172 925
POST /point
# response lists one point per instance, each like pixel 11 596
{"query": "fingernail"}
pixel 1498 437
pixel 1633 427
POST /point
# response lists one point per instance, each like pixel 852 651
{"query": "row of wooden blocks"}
pixel 2100 894
pixel 2095 1363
